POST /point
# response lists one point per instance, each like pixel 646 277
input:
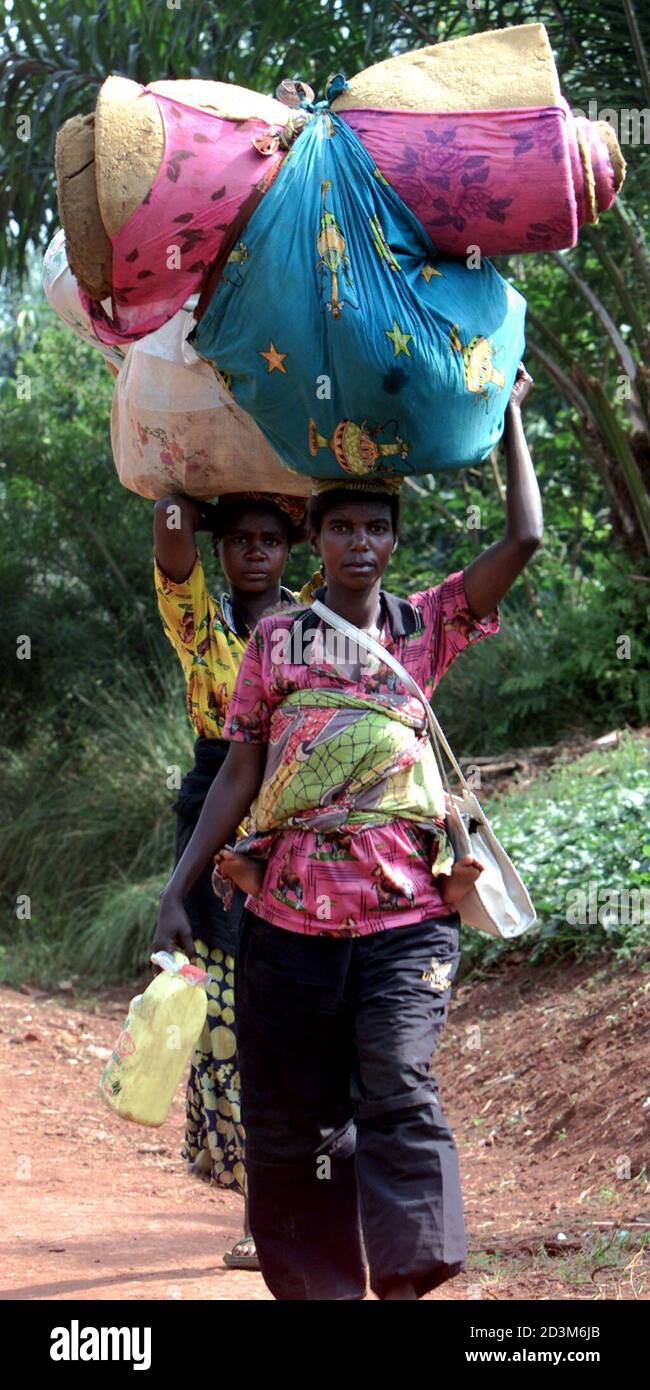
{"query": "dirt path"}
pixel 549 1103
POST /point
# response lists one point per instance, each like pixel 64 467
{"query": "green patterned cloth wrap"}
pixel 339 760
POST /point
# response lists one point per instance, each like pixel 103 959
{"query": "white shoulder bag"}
pixel 498 903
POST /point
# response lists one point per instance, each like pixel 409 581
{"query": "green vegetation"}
pixel 606 1266
pixel 90 833
pixel 580 823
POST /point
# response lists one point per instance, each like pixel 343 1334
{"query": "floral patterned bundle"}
pixel 474 135
pixel 505 181
pixel 379 353
pixel 354 346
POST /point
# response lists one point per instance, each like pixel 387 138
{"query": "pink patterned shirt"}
pixel 376 877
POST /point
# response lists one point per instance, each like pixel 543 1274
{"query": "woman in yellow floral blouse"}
pixel 252 536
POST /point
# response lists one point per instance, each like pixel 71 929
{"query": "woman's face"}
pixel 253 551
pixel 355 543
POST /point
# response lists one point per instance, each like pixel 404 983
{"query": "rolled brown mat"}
pixel 129 134
pixel 129 145
pixel 494 70
pixel 107 162
pixel 89 249
pixel 619 166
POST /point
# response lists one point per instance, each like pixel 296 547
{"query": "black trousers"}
pixel 344 1129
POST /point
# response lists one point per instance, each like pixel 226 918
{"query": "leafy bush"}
pixel 544 679
pixel 89 833
pixel 578 824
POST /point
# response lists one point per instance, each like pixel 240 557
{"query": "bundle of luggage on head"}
pixel 334 255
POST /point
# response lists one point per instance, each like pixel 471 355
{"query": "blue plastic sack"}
pixel 354 347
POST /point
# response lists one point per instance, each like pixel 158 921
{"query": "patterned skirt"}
pixel 213 1129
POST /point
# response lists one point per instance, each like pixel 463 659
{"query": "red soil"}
pixel 550 1114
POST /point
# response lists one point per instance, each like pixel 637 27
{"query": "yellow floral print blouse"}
pixel 209 649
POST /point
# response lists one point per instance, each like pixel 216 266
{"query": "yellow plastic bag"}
pixel 162 1026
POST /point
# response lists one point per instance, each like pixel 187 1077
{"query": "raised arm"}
pixel 227 803
pixel 491 574
pixel 176 519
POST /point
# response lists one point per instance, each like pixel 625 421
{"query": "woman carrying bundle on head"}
pixel 252 535
pixel 351 943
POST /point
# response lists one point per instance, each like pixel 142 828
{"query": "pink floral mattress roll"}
pixel 506 181
pixel 162 254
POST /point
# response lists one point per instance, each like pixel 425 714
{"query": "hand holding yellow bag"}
pixel 162 1027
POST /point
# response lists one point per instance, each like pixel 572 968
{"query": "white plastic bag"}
pixel 60 289
pixel 174 426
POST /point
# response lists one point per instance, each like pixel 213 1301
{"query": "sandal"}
pixel 240 1261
